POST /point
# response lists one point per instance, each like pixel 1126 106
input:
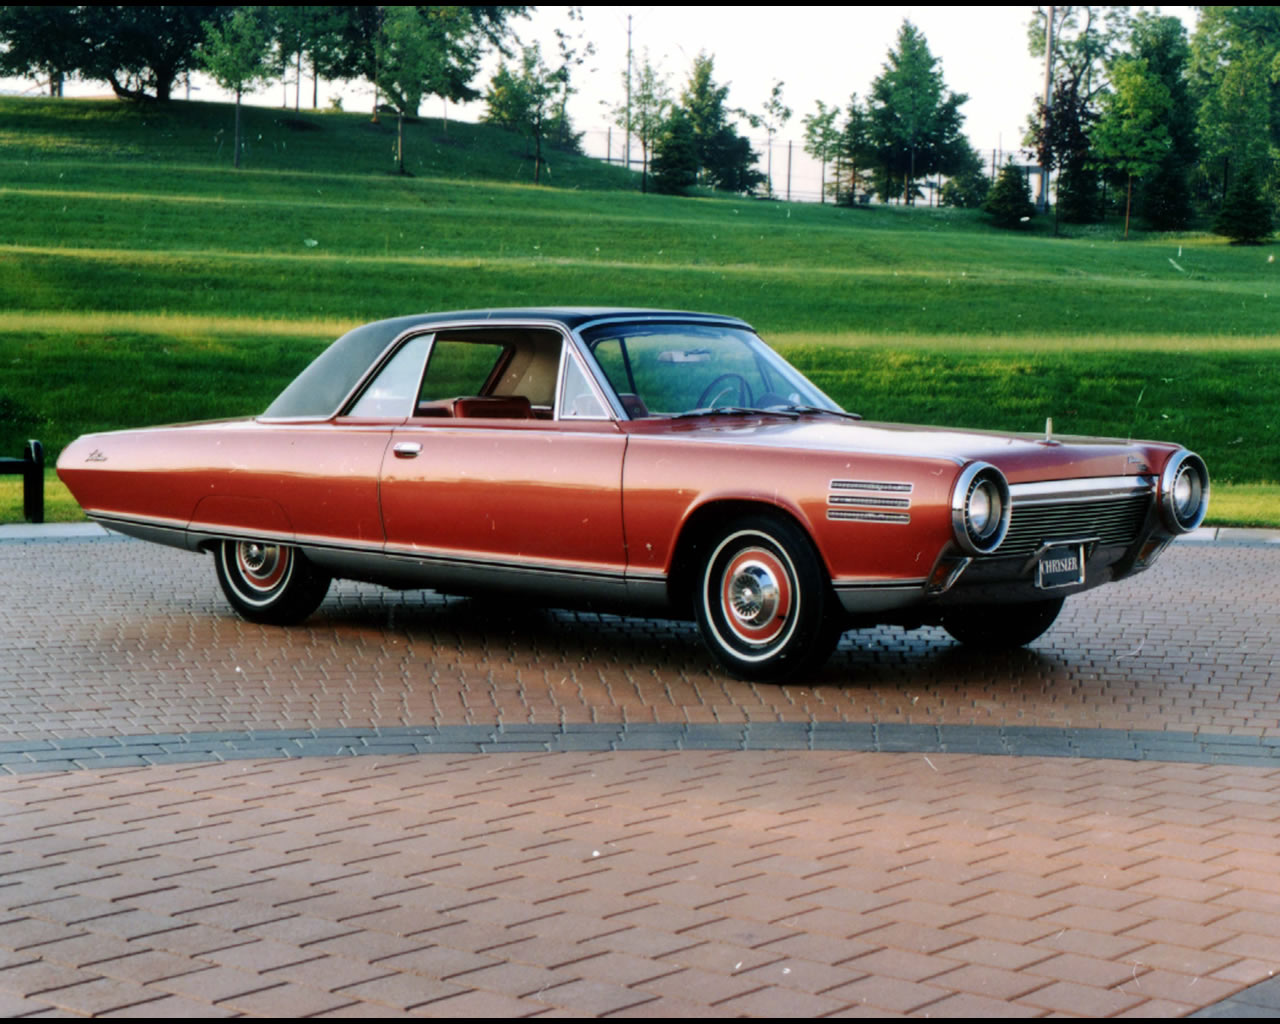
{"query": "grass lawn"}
pixel 142 280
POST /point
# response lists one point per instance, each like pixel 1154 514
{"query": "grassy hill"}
pixel 143 280
pixel 183 136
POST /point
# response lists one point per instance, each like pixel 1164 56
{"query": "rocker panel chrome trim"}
pixel 861 596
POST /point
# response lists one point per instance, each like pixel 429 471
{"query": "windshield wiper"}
pixel 815 410
pixel 738 410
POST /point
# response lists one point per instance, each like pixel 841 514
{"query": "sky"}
pixel 818 53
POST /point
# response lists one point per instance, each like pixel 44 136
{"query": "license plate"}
pixel 1060 566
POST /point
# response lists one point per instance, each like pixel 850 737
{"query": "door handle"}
pixel 407 450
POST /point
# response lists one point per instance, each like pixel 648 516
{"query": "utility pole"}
pixel 1042 203
pixel 628 146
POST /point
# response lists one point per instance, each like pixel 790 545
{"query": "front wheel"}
pixel 999 627
pixel 764 605
pixel 269 583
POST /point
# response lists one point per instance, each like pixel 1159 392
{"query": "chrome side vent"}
pixel 868 501
pixel 859 516
pixel 871 485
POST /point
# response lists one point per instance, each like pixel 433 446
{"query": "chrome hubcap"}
pixel 756 602
pixel 253 557
pixel 753 594
pixel 262 567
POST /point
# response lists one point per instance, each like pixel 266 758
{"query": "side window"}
pixel 459 368
pixel 504 373
pixel 579 401
pixel 390 394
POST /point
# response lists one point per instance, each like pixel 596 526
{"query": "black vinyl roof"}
pixel 321 388
pixel 571 317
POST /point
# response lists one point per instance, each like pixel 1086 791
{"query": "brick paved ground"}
pixel 653 882
pixel 656 883
pixel 116 637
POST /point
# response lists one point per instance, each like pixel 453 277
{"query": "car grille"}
pixel 1112 520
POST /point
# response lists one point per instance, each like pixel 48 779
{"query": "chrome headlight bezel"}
pixel 1184 492
pixel 980 508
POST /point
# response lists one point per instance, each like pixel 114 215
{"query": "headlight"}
pixel 980 508
pixel 1184 492
pixel 981 503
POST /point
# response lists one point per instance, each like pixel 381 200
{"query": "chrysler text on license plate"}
pixel 1060 566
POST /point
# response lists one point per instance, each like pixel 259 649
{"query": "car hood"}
pixel 1021 457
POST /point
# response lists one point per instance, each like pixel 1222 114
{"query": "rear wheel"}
pixel 997 627
pixel 270 583
pixel 764 604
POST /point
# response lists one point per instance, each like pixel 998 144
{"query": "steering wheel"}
pixel 721 386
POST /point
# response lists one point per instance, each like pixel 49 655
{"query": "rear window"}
pixel 318 390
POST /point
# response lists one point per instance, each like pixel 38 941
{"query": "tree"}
pixel 420 52
pixel 310 32
pixel 44 42
pixel 732 165
pixel 1085 39
pixel 647 116
pixel 410 49
pixel 1165 196
pixel 1130 136
pixel 725 159
pixel 1234 119
pixel 1009 203
pixel 523 100
pixel 346 50
pixel 822 141
pixel 1225 40
pixel 856 147
pixel 915 119
pixel 236 54
pixel 703 103
pixel 291 26
pixel 773 118
pixel 675 156
pixel 1245 217
pixel 423 51
pixel 574 52
pixel 1060 137
pixel 141 51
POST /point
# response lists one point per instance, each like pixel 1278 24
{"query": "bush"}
pixel 1245 217
pixel 1078 198
pixel 1009 203
pixel 1165 199
pixel 967 191
pixel 675 157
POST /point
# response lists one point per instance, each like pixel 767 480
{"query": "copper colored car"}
pixel 644 461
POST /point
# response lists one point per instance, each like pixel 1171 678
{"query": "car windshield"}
pixel 682 369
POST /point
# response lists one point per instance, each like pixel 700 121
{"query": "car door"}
pixel 333 487
pixel 509 473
